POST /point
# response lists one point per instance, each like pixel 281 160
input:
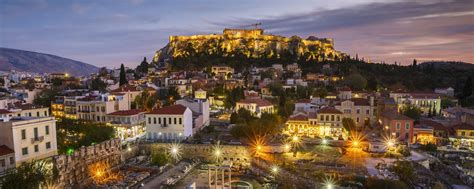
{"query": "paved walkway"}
pixel 157 181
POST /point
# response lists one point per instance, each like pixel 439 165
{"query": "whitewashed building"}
pixel 169 123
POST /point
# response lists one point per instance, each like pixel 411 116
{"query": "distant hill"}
pixel 448 65
pixel 20 60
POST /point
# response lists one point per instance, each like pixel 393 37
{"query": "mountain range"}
pixel 28 61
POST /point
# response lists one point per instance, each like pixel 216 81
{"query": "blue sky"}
pixel 110 32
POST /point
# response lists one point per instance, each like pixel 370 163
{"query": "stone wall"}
pixel 204 151
pixel 73 169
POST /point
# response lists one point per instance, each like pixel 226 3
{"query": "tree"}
pixel 411 111
pixel 467 89
pixel 372 84
pixel 414 63
pixel 123 76
pixel 98 84
pixel 160 158
pixel 404 170
pixel 143 67
pixel 103 72
pixel 45 97
pixel 355 81
pixel 348 124
pixel 29 175
pixel 72 134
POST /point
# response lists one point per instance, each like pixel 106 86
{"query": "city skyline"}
pixel 108 34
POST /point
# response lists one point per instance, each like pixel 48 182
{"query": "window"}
pixel 338 118
pixel 98 118
pixel 154 120
pixel 463 133
pixel 2 162
pixel 327 117
pixel 367 111
pixel 357 120
pixel 407 126
pixel 47 129
pixel 37 114
pixel 12 160
pixel 347 111
pixel 48 145
pixel 175 121
pixel 97 108
pixel 321 117
pixel 159 120
pixel 180 122
pixel 23 134
pixel 45 113
pixel 358 111
pixel 169 120
pixel 398 126
pixel 24 151
pixel 36 148
pixel 103 109
pixel 332 117
pixel 149 120
pixel 35 132
pixel 29 114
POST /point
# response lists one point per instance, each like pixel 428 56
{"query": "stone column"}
pixel 223 178
pixel 230 178
pixel 216 178
pixel 209 176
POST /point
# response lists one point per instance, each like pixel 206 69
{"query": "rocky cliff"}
pixel 251 43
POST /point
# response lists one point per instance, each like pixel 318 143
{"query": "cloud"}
pixel 442 29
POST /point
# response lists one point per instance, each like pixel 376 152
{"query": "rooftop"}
pixel 258 101
pixel 4 150
pixel 170 110
pixel 329 110
pixel 395 115
pixel 127 112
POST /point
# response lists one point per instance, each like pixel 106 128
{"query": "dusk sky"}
pixel 110 32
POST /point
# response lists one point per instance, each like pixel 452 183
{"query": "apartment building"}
pixel 96 107
pixel 29 137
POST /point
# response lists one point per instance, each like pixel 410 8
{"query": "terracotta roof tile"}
pixel 125 88
pixel 329 110
pixel 170 110
pixel 304 101
pixel 126 112
pixel 395 116
pixel 258 101
pixel 4 111
pixel 299 117
pixel 4 150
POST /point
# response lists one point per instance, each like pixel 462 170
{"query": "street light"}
pixel 275 170
pixel 295 139
pixel 325 141
pixel 175 151
pixel 287 147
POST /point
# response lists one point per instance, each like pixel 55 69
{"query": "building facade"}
pixel 397 126
pixel 256 106
pixel 169 123
pixel 30 137
pixel 127 123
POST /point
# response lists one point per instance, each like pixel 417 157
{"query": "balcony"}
pixel 37 139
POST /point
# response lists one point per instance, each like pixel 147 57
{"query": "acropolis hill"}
pixel 249 43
